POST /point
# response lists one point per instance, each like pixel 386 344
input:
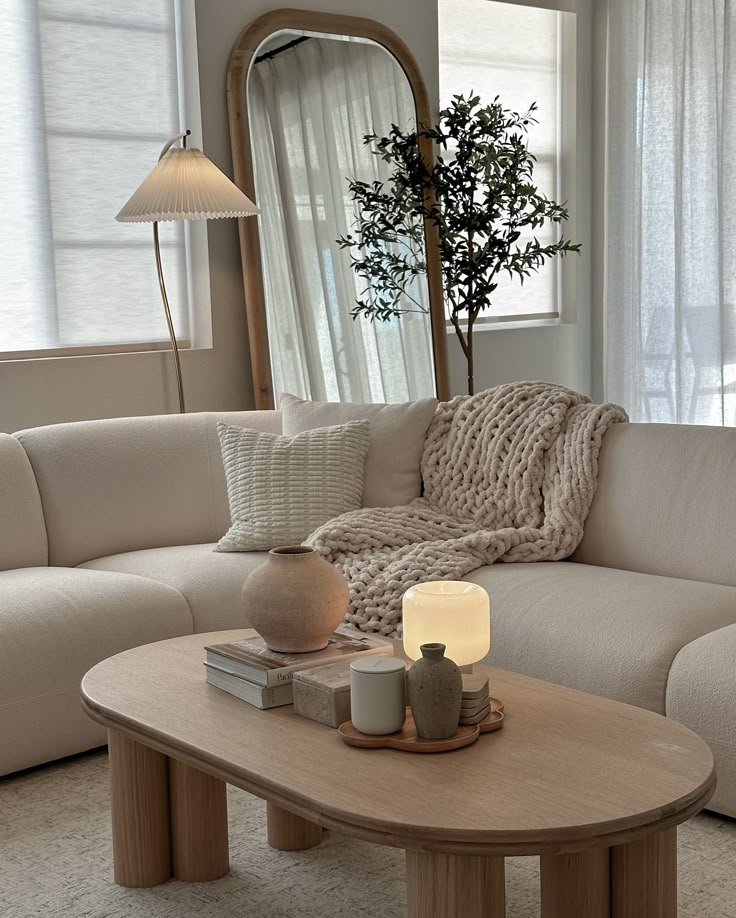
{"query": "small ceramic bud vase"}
pixel 435 693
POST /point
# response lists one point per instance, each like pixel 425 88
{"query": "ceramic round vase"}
pixel 295 599
pixel 435 693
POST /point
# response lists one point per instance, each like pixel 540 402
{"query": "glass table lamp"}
pixel 451 612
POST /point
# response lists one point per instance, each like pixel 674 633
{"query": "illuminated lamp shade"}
pixel 451 612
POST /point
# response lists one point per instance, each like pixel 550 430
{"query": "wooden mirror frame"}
pixel 244 50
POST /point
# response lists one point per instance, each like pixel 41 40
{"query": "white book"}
pixel 261 696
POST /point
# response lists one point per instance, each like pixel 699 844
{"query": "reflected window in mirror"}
pixel 312 99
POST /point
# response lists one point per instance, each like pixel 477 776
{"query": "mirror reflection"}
pixel 312 98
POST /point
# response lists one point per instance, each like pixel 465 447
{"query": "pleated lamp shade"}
pixel 185 185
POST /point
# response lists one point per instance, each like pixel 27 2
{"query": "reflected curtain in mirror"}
pixel 311 104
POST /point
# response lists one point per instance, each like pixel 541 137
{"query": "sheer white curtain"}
pixel 310 107
pixel 670 294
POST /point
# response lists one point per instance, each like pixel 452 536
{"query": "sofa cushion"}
pixel 210 582
pixel 22 529
pixel 700 694
pixel 130 483
pixel 666 502
pixel 55 624
pixel 393 465
pixel 609 632
pixel 282 488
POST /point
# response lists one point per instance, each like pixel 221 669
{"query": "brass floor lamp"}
pixel 184 185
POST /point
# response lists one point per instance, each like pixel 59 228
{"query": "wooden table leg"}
pixel 644 877
pixel 576 885
pixel 139 792
pixel 454 886
pixel 199 842
pixel 288 832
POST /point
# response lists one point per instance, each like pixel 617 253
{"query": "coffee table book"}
pixel 252 660
pixel 261 696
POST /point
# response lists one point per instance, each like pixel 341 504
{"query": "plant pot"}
pixel 435 693
pixel 295 599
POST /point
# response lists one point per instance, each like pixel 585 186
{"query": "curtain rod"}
pixel 267 55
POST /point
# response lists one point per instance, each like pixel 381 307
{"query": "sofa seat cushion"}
pixel 211 582
pixel 601 630
pixel 700 694
pixel 55 624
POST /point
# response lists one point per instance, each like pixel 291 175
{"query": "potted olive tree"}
pixel 480 195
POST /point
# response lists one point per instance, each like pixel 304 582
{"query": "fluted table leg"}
pixel 139 792
pixel 644 877
pixel 199 838
pixel 288 832
pixel 454 886
pixel 576 885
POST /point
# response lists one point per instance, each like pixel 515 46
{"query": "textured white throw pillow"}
pixel 392 467
pixel 282 488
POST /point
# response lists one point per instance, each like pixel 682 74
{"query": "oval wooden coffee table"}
pixel 594 787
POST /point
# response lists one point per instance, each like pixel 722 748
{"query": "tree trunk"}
pixel 469 355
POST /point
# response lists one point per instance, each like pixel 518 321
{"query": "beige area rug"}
pixel 55 860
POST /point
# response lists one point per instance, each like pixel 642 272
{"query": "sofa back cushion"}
pixel 132 483
pixel 22 529
pixel 666 502
pixel 393 466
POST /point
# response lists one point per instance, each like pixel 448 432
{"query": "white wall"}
pixel 551 353
pixel 34 392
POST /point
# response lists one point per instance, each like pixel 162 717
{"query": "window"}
pixel 91 92
pixel 523 55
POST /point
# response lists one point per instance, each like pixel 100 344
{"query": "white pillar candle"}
pixel 377 699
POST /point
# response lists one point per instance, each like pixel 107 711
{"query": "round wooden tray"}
pixel 407 740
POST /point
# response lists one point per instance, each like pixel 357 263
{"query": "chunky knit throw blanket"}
pixel 509 475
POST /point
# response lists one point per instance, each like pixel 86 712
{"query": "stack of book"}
pixel 262 677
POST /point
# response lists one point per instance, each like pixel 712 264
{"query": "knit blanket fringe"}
pixel 509 475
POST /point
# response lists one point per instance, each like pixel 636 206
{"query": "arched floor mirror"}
pixel 303 90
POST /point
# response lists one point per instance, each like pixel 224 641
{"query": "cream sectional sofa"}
pixel 106 536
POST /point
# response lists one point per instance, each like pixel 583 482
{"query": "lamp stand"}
pixel 167 311
pixel 184 185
